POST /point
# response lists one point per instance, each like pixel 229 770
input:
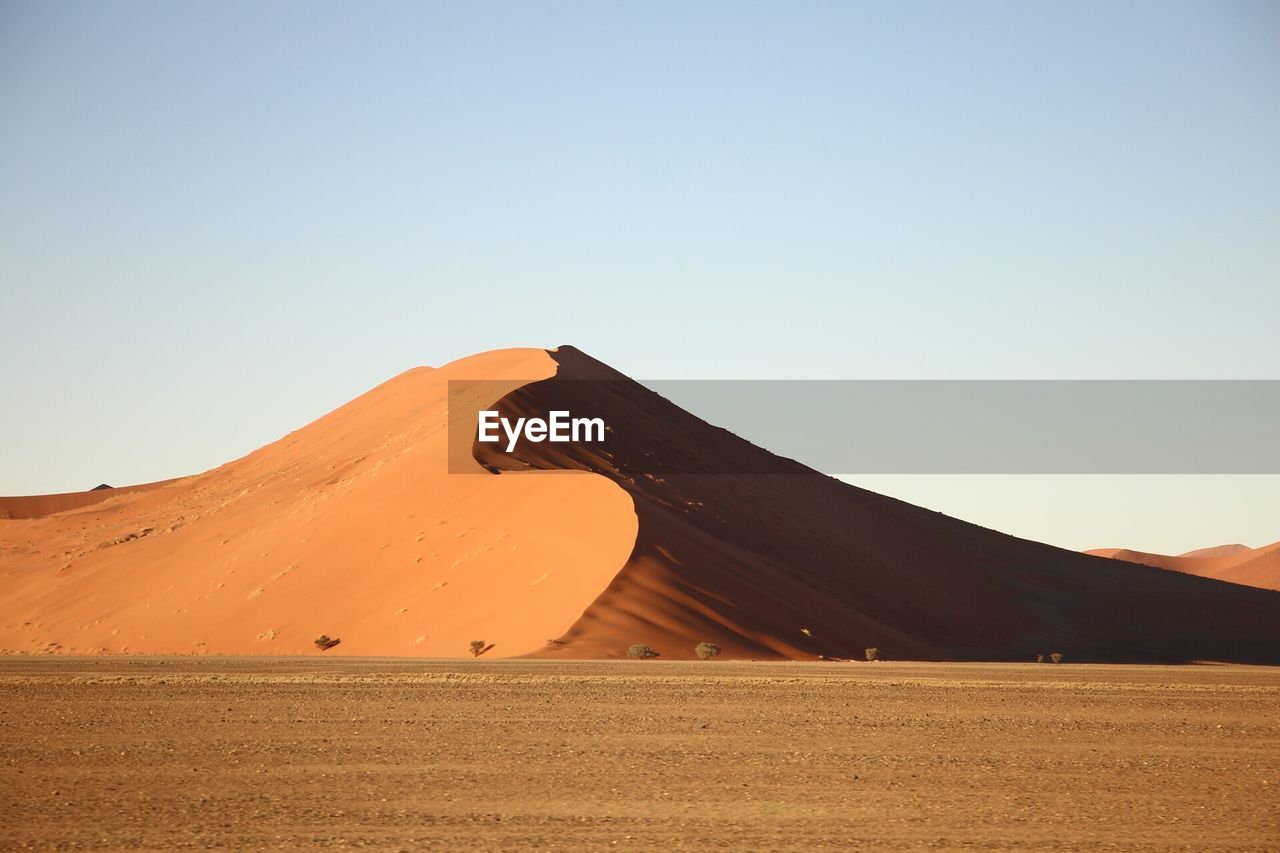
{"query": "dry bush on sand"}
pixel 706 651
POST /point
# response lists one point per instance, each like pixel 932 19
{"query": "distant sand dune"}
pixel 1240 564
pixel 1218 551
pixel 38 506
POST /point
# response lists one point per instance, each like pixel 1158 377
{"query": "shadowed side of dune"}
pixel 779 560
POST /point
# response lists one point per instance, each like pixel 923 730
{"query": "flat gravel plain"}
pixel 315 753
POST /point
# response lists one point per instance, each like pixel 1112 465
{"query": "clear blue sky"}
pixel 219 220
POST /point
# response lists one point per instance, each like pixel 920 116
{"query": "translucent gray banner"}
pixel 920 426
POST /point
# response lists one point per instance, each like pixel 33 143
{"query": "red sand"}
pixel 353 527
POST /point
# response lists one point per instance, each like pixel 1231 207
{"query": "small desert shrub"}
pixel 1056 657
pixel 324 642
pixel 478 648
pixel 873 654
pixel 640 650
pixel 1039 658
pixel 706 650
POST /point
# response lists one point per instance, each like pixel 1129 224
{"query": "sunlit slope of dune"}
pixel 349 527
pixel 780 560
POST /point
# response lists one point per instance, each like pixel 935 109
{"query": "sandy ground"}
pixel 154 753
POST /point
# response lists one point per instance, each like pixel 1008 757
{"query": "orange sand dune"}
pixel 793 563
pixel 37 506
pixel 1218 551
pixel 353 527
pixel 348 527
pixel 1240 564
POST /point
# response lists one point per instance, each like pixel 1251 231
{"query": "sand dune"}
pixel 1218 551
pixel 349 527
pixel 784 561
pixel 353 527
pixel 1240 564
pixel 38 506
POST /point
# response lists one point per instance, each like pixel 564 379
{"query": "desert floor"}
pixel 305 753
